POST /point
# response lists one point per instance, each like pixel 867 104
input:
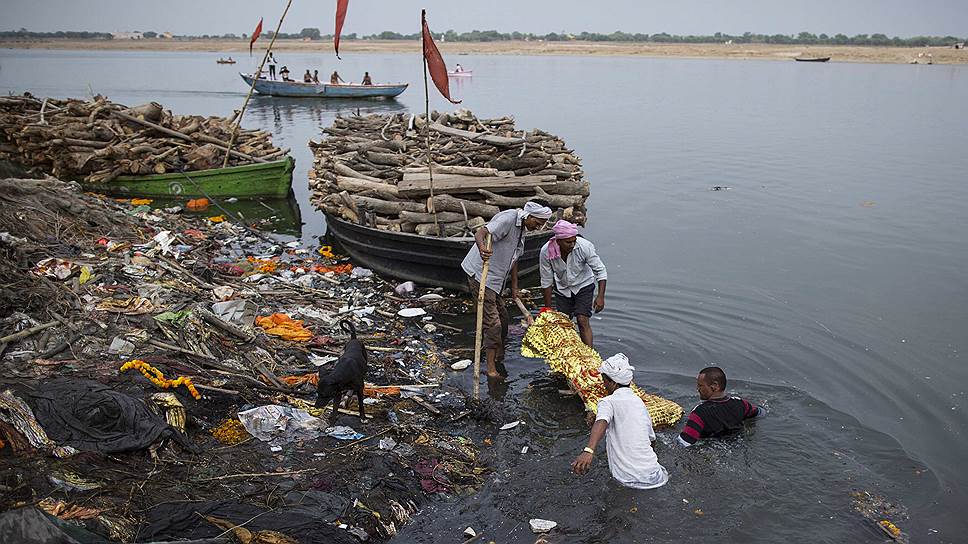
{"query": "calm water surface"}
pixel 828 280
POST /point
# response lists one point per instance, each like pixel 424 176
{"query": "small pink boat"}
pixel 464 73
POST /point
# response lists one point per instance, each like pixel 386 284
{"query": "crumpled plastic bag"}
pixel 280 425
pixel 284 327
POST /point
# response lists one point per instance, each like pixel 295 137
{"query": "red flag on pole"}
pixel 255 35
pixel 435 62
pixel 341 6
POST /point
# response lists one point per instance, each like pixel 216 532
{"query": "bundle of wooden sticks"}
pixel 373 170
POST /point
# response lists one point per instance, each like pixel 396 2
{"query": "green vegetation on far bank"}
pixel 803 38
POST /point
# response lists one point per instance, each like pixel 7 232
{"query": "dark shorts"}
pixel 578 304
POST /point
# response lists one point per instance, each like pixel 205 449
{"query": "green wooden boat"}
pixel 261 179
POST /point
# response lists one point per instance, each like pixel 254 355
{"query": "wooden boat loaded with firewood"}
pixel 370 178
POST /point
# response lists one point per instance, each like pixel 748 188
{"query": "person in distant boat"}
pixel 458 68
pixel 307 77
pixel 230 59
pixel 718 414
pixel 570 268
pixel 623 419
pixel 271 61
pixel 335 79
pixel 506 229
pixel 316 76
pixel 366 79
pixel 284 73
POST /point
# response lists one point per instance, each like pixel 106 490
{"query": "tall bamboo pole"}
pixel 430 162
pixel 478 337
pixel 255 77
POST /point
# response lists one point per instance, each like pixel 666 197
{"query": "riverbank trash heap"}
pixel 372 170
pixel 98 140
pixel 157 374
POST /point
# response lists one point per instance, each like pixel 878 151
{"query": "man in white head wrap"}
pixel 624 421
pixel 506 230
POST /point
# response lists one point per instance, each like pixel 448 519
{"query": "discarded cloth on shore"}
pixel 284 327
pixel 92 417
pixel 553 337
pixel 181 520
pixel 30 525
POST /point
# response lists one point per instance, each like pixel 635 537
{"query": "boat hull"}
pixel 298 89
pixel 469 73
pixel 426 260
pixel 269 179
pixel 817 59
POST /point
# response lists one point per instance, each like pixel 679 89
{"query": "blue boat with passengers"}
pixel 324 90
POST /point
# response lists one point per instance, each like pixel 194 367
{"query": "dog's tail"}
pixel 347 326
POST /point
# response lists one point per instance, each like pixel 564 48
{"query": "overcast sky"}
pixel 892 17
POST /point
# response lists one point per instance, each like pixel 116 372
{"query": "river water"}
pixel 828 280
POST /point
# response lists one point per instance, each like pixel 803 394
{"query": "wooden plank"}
pixel 476 136
pixel 417 185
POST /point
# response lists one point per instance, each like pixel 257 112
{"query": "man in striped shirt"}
pixel 718 414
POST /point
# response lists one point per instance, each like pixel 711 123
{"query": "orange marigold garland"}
pixel 156 377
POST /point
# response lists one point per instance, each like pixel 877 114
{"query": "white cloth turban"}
pixel 537 210
pixel 617 368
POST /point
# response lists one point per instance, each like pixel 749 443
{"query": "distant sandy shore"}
pixel 888 55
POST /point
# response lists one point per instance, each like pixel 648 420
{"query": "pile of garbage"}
pixel 158 371
pixel 98 140
pixel 373 170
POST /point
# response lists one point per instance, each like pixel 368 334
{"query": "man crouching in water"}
pixel 630 436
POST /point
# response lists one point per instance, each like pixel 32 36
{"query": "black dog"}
pixel 346 375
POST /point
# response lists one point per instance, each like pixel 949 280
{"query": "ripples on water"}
pixel 828 280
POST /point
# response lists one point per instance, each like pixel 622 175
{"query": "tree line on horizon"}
pixel 803 38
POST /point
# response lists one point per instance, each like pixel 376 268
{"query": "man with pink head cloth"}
pixel 570 268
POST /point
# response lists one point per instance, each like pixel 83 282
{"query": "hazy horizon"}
pixel 903 18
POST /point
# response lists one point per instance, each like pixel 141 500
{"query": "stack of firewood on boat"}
pixel 98 140
pixel 372 170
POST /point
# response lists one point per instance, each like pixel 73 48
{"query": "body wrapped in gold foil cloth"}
pixel 553 337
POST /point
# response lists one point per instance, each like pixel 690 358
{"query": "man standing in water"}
pixel 624 421
pixel 570 267
pixel 718 414
pixel 507 230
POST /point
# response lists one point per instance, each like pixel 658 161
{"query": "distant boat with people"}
pixel 225 61
pixel 811 59
pixel 297 89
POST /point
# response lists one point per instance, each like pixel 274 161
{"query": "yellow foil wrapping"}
pixel 553 337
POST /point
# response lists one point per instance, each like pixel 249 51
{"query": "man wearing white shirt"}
pixel 623 419
pixel 570 268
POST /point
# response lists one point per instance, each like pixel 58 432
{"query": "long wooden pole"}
pixel 430 162
pixel 480 321
pixel 255 77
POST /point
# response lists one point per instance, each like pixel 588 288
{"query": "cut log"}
pixel 151 111
pixel 556 201
pixel 176 134
pixel 386 159
pixel 355 185
pixel 462 170
pixel 476 136
pixel 344 170
pixel 570 187
pixel 447 203
pixel 386 207
pixel 417 184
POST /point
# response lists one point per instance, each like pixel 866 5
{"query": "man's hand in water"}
pixel 582 463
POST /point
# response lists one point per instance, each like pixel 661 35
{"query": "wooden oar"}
pixel 480 321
